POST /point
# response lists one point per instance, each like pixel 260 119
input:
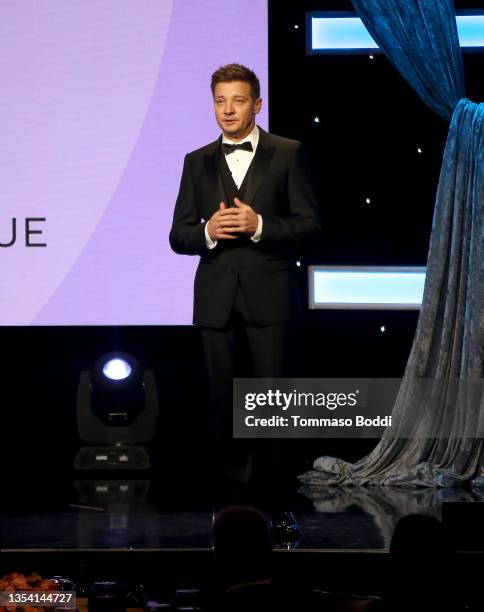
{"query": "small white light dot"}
pixel 368 200
pixel 372 57
pixel 419 150
pixel 298 264
pixel 296 27
pixel 316 119
pixel 383 329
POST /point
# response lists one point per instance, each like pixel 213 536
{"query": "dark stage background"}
pixel 365 146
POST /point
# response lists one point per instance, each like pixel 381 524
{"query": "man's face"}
pixel 235 109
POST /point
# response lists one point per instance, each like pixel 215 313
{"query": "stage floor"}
pixel 128 515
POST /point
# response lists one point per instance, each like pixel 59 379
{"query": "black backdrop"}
pixel 365 145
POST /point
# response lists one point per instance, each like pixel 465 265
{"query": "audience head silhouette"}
pixel 420 538
pixel 241 541
pixel 422 570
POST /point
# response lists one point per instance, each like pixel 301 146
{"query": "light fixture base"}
pixel 112 458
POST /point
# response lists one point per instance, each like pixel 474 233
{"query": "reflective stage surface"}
pixel 133 514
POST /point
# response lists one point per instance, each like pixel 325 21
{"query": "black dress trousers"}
pixel 241 348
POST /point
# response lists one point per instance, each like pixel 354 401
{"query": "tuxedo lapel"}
pixel 262 158
pixel 212 172
pixel 230 188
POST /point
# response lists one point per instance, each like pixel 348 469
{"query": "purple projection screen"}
pixel 100 100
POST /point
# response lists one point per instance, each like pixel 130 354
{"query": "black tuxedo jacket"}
pixel 279 188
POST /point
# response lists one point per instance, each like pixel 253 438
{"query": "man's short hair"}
pixel 236 72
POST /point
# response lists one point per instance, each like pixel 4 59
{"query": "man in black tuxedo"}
pixel 245 202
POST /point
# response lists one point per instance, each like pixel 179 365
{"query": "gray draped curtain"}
pixel 420 38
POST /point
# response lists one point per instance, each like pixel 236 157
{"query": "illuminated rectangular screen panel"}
pixel 371 288
pixel 100 103
pixel 346 33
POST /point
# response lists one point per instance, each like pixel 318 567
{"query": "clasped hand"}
pixel 228 223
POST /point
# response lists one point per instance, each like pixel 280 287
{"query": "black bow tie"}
pixel 230 148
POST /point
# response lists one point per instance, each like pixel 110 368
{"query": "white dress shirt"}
pixel 238 163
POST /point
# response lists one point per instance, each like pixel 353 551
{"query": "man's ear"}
pixel 258 106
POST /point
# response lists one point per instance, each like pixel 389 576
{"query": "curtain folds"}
pixel 420 37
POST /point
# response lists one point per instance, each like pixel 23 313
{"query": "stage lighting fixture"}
pixel 329 32
pixel 117 411
pixel 366 287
